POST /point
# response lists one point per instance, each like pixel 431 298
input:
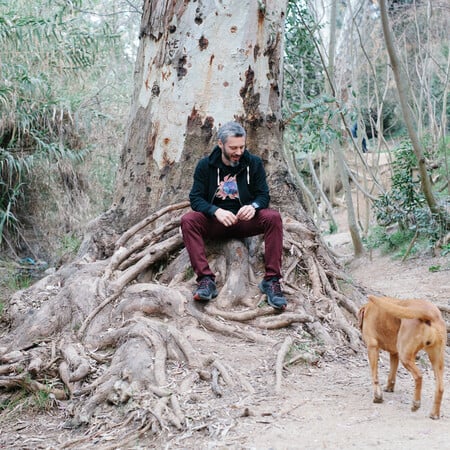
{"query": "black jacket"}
pixel 251 181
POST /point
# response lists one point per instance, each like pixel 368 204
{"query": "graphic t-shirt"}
pixel 227 193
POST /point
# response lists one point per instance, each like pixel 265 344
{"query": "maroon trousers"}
pixel 197 227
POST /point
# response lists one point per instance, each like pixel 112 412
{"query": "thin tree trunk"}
pixel 358 247
pixel 402 88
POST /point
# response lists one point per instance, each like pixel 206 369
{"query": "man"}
pixel 229 199
pixel 355 135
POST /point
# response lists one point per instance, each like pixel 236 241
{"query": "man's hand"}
pixel 247 212
pixel 225 217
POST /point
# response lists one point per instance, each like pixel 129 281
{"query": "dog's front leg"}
pixel 373 354
pixel 392 372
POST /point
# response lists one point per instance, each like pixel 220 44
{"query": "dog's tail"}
pixel 407 309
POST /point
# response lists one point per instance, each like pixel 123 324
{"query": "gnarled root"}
pixel 113 330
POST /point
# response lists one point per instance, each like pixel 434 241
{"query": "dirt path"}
pixel 328 406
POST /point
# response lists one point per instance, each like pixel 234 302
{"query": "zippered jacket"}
pixel 250 178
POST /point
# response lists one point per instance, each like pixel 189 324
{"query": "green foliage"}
pixel 391 124
pixel 46 49
pixel 403 208
pixel 20 400
pixel 440 154
pixel 305 351
pixel 15 276
pixel 10 194
pixel 15 400
pixel 404 203
pixel 69 245
pixel 308 111
pixel 42 400
pixel 19 281
pixel 14 279
pixel 445 249
pixel 304 77
pixel 188 273
pixel 313 122
pixel 388 241
pixel 306 108
pixel 332 228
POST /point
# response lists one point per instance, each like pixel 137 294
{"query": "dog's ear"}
pixel 372 298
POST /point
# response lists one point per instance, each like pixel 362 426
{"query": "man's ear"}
pixel 220 144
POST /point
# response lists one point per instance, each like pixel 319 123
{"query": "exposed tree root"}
pixel 31 385
pixel 225 328
pixel 112 331
pixel 282 321
pixel 241 315
pixel 280 362
pixel 306 357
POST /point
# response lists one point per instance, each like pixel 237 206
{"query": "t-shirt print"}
pixel 228 188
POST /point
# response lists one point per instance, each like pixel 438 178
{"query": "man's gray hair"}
pixel 230 129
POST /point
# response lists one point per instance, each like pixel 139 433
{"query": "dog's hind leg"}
pixel 409 361
pixel 436 356
pixel 392 372
pixel 373 355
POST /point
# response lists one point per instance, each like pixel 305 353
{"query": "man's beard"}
pixel 232 163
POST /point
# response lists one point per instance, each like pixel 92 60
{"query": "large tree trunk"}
pixel 106 326
pixel 200 65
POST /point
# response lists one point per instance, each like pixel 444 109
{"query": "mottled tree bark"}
pixel 201 64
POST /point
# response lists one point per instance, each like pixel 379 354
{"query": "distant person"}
pixel 230 199
pixel 355 135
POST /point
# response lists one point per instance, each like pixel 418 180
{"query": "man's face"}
pixel 232 150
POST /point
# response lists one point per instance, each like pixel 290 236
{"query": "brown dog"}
pixel 402 328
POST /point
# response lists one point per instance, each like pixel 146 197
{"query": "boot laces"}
pixel 275 287
pixel 204 283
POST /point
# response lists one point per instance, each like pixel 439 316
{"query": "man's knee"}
pixel 188 217
pixel 271 215
pixel 192 219
pixel 186 221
